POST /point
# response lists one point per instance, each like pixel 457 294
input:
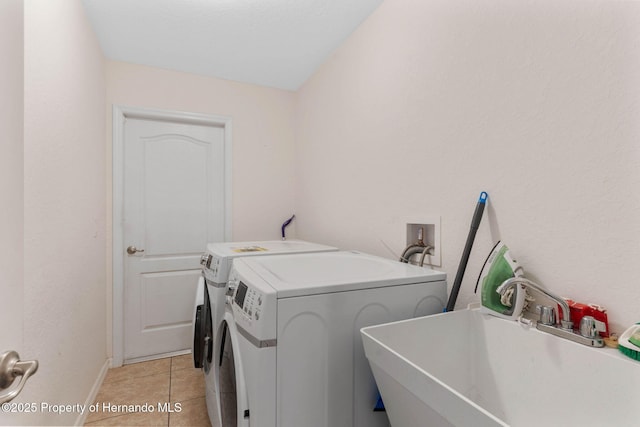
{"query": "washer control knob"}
pixel 205 260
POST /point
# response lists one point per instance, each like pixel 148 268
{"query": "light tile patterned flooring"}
pixel 161 384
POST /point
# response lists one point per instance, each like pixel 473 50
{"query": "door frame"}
pixel 120 114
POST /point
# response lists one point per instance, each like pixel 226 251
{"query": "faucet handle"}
pixel 588 327
pixel 547 314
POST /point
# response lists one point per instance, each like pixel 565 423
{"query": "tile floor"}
pixel 171 387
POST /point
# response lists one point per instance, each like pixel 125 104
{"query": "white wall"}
pixel 429 103
pixel 262 128
pixel 64 204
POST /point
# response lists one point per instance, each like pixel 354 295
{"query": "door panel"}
pixel 11 173
pixel 174 192
pixel 12 199
pixel 164 303
pixel 181 223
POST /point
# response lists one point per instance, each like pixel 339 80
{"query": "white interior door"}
pixel 12 215
pixel 174 204
pixel 11 173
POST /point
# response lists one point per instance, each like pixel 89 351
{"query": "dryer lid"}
pixel 310 274
pixel 242 249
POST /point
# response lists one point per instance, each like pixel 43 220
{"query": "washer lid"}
pixel 242 249
pixel 310 274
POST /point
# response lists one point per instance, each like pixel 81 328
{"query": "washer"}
pixel 293 350
pixel 209 304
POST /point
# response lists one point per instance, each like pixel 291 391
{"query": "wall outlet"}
pixel 430 237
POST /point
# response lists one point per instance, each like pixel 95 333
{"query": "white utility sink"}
pixel 465 368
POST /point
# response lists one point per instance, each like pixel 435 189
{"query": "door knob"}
pixel 132 250
pixel 12 367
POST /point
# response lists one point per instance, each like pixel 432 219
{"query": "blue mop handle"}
pixel 475 223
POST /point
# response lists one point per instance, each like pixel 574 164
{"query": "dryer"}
pixel 294 353
pixel 210 296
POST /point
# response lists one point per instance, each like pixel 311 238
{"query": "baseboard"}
pixel 94 392
pixel 156 356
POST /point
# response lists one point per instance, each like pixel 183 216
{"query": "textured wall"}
pixel 537 102
pixel 262 140
pixel 64 204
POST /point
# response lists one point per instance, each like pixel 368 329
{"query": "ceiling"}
pixel 276 43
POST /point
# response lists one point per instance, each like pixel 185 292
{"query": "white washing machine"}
pixel 209 305
pixel 293 352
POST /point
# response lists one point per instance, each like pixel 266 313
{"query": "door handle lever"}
pixel 12 367
pixel 131 250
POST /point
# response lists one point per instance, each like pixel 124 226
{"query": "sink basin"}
pixel 465 368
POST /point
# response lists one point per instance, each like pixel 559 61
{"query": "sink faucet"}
pixel 565 329
pixel 566 322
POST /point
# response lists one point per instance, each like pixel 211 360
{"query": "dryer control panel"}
pixel 253 304
pixel 213 268
pixel 249 300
